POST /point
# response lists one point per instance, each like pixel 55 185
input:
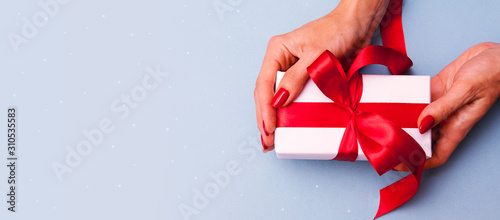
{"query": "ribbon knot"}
pixel 384 143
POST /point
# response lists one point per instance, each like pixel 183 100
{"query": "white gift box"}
pixel 322 143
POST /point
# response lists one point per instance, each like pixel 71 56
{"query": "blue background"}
pixel 200 120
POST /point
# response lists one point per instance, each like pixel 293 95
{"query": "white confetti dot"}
pixel 138 63
pixel 18 13
pixel 229 36
pixel 44 60
pixel 238 11
pixel 149 33
pixel 103 16
pixel 46 110
pixel 134 164
pixel 131 34
pixel 119 186
pixel 61 102
pixel 348 211
pixel 70 54
pixel 167 129
pixel 37 201
pixel 282 209
pixel 84 93
pixel 172 161
pixel 87 186
pixel 187 52
pixel 112 146
pixel 39 131
pixel 86 27
pixel 178 196
pixel 317 186
pixel 54 207
pixel 195 178
pixel 64 32
pixel 13 95
pixel 22 72
pixel 118 82
pixel 133 125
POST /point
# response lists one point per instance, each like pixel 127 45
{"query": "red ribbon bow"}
pixel 384 143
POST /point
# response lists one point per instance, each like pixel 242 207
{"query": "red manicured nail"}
pixel 264 147
pixel 264 127
pixel 280 98
pixel 426 124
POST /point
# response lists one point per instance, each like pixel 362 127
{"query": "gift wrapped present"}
pixel 344 115
pixel 312 127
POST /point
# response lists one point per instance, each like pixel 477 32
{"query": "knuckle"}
pixel 275 40
pixel 467 89
pixel 479 48
pixel 486 45
pixel 289 77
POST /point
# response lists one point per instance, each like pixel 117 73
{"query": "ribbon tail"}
pixel 391 27
pixel 386 145
pixel 348 150
pixel 396 194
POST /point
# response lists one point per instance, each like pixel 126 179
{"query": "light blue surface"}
pixel 199 121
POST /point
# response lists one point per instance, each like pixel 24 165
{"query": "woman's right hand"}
pixel 344 31
pixel 461 94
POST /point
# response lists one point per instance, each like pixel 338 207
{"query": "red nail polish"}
pixel 426 124
pixel 264 127
pixel 280 98
pixel 264 148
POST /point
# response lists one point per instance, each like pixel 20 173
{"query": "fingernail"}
pixel 426 124
pixel 264 127
pixel 280 98
pixel 264 148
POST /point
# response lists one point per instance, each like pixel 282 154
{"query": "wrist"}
pixel 366 14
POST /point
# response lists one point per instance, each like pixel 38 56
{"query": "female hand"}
pixel 344 31
pixel 461 94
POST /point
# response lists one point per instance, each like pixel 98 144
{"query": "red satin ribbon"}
pixel 382 140
pixel 331 115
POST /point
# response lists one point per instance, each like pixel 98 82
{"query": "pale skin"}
pixel 461 93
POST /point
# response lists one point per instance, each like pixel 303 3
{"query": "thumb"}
pixel 439 110
pixel 293 81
